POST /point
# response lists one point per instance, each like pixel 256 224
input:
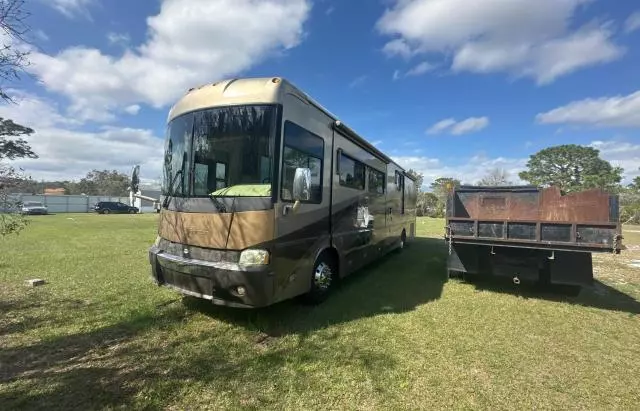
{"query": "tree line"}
pixel 95 183
pixel 570 167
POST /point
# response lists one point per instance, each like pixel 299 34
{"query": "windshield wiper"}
pixel 167 198
pixel 219 204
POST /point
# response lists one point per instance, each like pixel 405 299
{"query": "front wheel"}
pixel 132 211
pixel 323 278
pixel 105 211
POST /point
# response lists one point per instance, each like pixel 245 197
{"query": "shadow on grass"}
pixel 599 295
pixel 21 315
pixel 115 367
pixel 397 283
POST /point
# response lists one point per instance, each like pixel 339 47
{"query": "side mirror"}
pixel 302 184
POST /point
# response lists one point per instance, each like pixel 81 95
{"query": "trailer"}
pixel 530 234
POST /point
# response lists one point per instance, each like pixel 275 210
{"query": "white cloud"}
pixel 616 111
pixel 633 23
pixel 376 143
pixel 519 37
pixel 417 70
pixel 358 81
pixel 421 68
pixel 468 172
pixel 67 152
pixel 132 109
pixel 621 154
pixel 41 35
pixel 120 39
pixel 441 125
pixel 71 8
pixel 397 47
pixel 190 42
pixel 454 127
pixel 35 112
pixel 471 170
pixel 470 125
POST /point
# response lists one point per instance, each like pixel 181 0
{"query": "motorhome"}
pixel 268 196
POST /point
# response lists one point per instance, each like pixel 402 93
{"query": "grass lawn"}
pixel 398 335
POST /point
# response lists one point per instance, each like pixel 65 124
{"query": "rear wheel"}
pixel 323 278
pixel 403 239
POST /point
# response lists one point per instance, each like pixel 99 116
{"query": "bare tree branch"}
pixel 13 27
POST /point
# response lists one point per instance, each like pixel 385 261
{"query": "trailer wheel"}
pixel 323 278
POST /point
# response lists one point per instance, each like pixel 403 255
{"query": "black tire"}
pixel 402 243
pixel 105 211
pixel 323 279
pixel 455 274
pixel 132 211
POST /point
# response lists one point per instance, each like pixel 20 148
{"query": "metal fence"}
pixel 69 204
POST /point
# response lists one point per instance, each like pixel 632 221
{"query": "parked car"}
pixel 34 207
pixel 115 207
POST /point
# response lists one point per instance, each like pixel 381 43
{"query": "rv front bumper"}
pixel 222 283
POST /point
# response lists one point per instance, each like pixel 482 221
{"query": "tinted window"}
pixel 302 149
pixel 176 154
pixel 232 152
pixel 232 148
pixel 376 181
pixel 303 140
pixel 351 172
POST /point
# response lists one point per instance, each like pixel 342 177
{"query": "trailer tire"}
pixel 323 278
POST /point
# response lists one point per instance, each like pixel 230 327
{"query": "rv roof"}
pixel 262 90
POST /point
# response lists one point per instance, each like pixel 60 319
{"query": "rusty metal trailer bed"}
pixel 529 233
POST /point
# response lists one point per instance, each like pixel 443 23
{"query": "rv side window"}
pixel 302 149
pixel 376 181
pixel 351 172
pixel 399 181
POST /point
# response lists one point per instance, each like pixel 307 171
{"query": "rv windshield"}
pixel 220 152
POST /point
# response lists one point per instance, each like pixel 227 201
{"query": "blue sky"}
pixel 447 87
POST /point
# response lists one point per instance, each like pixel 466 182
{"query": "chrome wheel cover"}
pixel 322 276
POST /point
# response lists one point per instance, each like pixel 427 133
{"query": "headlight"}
pixel 254 257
